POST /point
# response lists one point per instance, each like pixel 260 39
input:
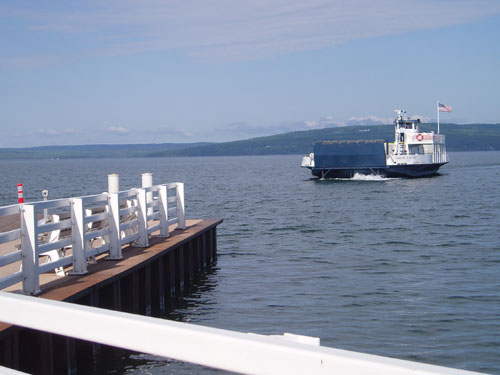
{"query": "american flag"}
pixel 444 108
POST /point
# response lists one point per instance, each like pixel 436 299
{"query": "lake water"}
pixel 401 268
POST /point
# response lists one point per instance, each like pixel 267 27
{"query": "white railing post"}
pixel 115 247
pixel 45 196
pixel 147 181
pixel 163 210
pixel 29 244
pixel 113 183
pixel 78 237
pixel 142 218
pixel 179 192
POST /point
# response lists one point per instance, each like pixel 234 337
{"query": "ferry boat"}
pixel 412 154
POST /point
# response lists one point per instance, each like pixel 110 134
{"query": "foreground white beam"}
pixel 222 349
pixel 9 371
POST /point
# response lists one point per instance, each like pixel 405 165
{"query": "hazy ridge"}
pixel 471 137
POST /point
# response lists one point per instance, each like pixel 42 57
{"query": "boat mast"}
pixel 437 109
pixel 398 142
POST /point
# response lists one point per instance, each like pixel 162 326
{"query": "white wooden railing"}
pixel 15 255
pixel 222 349
pixel 89 226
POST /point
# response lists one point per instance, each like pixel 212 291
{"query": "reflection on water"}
pixel 195 297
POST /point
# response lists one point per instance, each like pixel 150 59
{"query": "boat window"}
pixel 415 149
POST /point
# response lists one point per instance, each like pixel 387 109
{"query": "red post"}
pixel 20 193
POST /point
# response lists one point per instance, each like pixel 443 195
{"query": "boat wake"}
pixel 359 177
pixel 370 177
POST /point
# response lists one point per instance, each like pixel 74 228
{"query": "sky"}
pixel 160 71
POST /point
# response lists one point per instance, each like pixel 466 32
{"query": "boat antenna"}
pixel 400 113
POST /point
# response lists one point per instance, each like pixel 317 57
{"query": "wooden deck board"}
pixel 9 222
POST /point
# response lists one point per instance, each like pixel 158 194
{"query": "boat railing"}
pixel 72 232
pixel 439 138
pixel 308 161
pixel 426 138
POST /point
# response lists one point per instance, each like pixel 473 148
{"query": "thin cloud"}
pixel 325 122
pixel 171 132
pixel 118 130
pixel 367 120
pixel 424 119
pixel 57 132
pixel 244 129
pixel 225 30
pixel 241 129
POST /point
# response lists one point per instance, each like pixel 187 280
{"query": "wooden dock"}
pixel 141 282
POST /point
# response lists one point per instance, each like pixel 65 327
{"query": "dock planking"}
pixel 8 223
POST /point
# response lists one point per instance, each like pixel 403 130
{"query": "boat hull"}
pixel 404 171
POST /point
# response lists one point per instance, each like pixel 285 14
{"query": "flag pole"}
pixel 437 109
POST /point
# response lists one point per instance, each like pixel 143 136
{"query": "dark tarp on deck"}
pixel 349 154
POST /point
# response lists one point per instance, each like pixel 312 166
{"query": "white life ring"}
pixel 420 137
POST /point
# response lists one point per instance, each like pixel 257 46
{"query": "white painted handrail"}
pixel 116 219
pixel 9 371
pixel 16 254
pixel 212 347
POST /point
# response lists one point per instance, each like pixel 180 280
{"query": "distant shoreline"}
pixel 472 137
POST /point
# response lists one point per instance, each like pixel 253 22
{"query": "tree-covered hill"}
pixel 472 137
pixel 92 151
pixel 475 137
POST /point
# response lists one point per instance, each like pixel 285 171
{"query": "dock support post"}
pixel 71 363
pixel 204 249
pixel 179 268
pixel 161 283
pixel 9 351
pixel 213 244
pixel 187 250
pixel 146 289
pixel 29 244
pixel 170 278
pixel 135 292
pixel 45 355
pixel 78 237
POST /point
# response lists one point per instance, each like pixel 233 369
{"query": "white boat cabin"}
pixel 411 146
